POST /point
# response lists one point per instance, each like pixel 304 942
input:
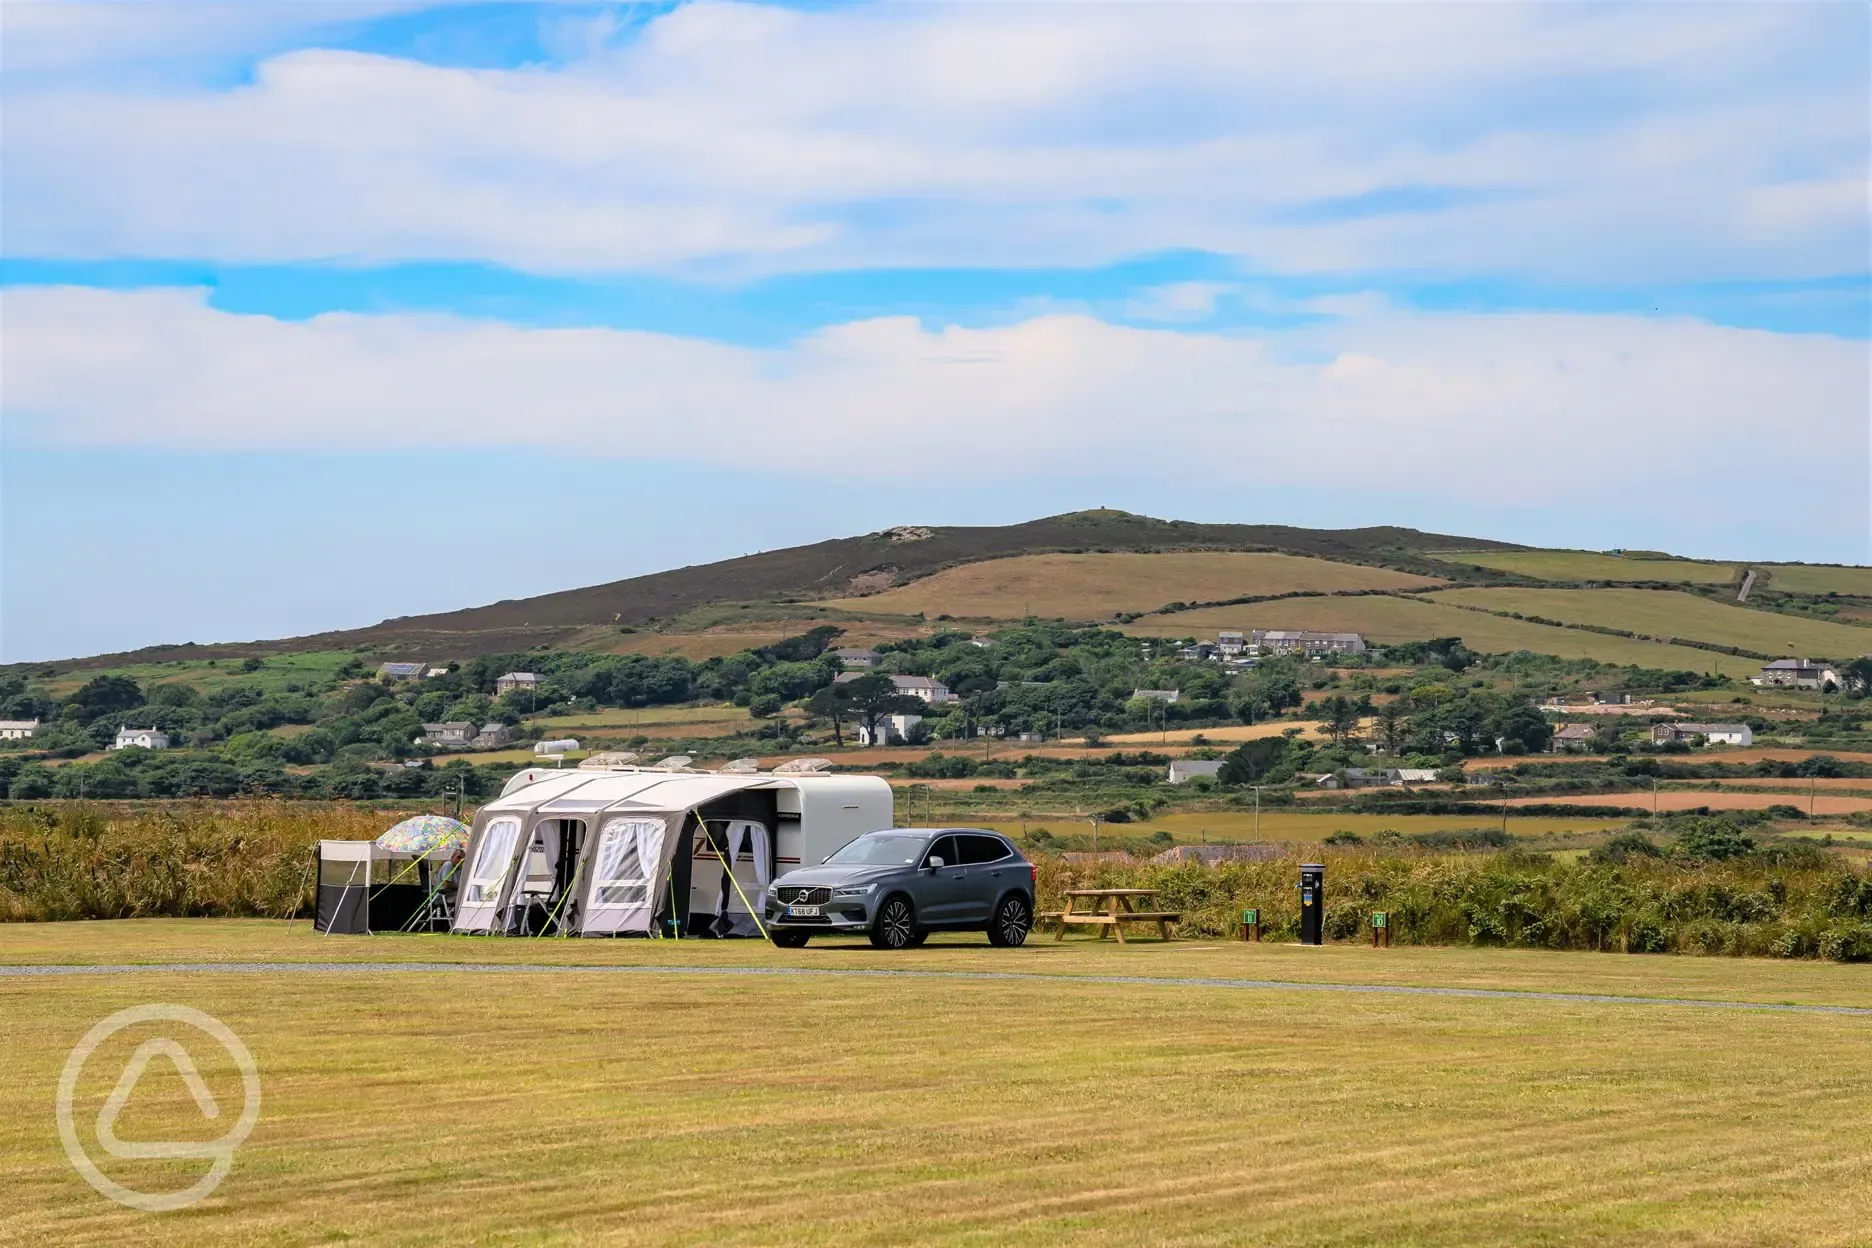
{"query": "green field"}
pixel 1589 565
pixel 276 671
pixel 1796 578
pixel 1671 613
pixel 568 1108
pixel 1383 618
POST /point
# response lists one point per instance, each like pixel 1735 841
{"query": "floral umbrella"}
pixel 425 834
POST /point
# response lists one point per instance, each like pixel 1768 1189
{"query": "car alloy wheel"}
pixel 896 925
pixel 1012 919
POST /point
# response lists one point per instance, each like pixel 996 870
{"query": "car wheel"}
pixel 916 941
pixel 895 927
pixel 789 939
pixel 1013 918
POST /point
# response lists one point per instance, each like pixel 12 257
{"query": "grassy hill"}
pixel 843 567
pixel 1111 565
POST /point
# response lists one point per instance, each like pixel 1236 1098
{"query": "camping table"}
pixel 1109 909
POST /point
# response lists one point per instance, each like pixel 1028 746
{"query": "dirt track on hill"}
pixel 1764 754
pixel 1690 799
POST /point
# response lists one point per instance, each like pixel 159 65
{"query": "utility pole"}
pixel 1257 793
pixel 1812 783
pixel 1654 797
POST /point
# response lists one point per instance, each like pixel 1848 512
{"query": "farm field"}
pixel 1099 586
pixel 1760 754
pixel 724 716
pixel 1589 565
pixel 275 672
pixel 1670 613
pixel 1690 799
pixel 784 1109
pixel 1801 578
pixel 1383 618
pixel 1286 824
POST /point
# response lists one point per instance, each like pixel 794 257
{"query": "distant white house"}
pixel 1715 734
pixel 1183 770
pixel 891 730
pixel 515 680
pixel 1797 674
pixel 1287 641
pixel 1158 695
pixel 142 738
pixel 1231 643
pixel 928 688
pixel 17 729
pixel 853 658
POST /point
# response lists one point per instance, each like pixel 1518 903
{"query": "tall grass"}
pixel 75 861
pixel 1813 907
pixel 79 861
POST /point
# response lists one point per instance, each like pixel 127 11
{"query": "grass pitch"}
pixel 571 1108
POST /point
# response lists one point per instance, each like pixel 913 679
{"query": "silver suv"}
pixel 899 886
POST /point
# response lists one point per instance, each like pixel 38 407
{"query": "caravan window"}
pixel 490 865
pixel 627 854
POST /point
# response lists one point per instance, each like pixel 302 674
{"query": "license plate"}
pixel 802 912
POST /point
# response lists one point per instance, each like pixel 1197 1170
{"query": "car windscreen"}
pixel 880 851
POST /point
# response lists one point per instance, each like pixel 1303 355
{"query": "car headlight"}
pixel 863 890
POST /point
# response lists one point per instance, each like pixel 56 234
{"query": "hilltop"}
pixel 831 570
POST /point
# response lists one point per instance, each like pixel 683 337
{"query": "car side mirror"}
pixel 935 863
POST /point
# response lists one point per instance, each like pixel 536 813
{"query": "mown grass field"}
pixel 1669 613
pixel 1098 586
pixel 1795 578
pixel 570 1108
pixel 1590 565
pixel 1382 618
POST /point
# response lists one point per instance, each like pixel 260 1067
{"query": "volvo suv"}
pixel 899 886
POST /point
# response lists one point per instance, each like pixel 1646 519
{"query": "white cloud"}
pixel 1523 409
pixel 1572 142
pixel 1177 301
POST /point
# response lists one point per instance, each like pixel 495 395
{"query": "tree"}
pixel 873 699
pixel 1339 715
pixel 1526 725
pixel 1857 676
pixel 1252 760
pixel 1393 726
pixel 107 695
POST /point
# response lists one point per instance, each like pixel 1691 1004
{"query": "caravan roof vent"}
pixel 606 760
pixel 674 762
pixel 741 767
pixel 803 766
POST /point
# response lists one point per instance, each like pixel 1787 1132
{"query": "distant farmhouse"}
pixel 492 736
pixel 1183 770
pixel 1283 641
pixel 455 732
pixel 1571 736
pixel 854 658
pixel 927 688
pixel 18 729
pixel 529 681
pixel 891 730
pixel 1797 674
pixel 1715 734
pixel 143 738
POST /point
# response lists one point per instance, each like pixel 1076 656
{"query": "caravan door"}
pixel 745 847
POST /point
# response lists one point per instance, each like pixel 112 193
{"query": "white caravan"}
pixel 642 849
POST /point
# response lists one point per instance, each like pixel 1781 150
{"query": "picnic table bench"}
pixel 1109 909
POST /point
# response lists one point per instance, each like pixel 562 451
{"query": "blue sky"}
pixel 297 295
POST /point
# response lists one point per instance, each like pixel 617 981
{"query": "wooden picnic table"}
pixel 1109 909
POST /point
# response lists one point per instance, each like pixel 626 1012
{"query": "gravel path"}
pixel 785 972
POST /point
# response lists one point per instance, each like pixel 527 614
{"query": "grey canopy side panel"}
pixel 627 868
